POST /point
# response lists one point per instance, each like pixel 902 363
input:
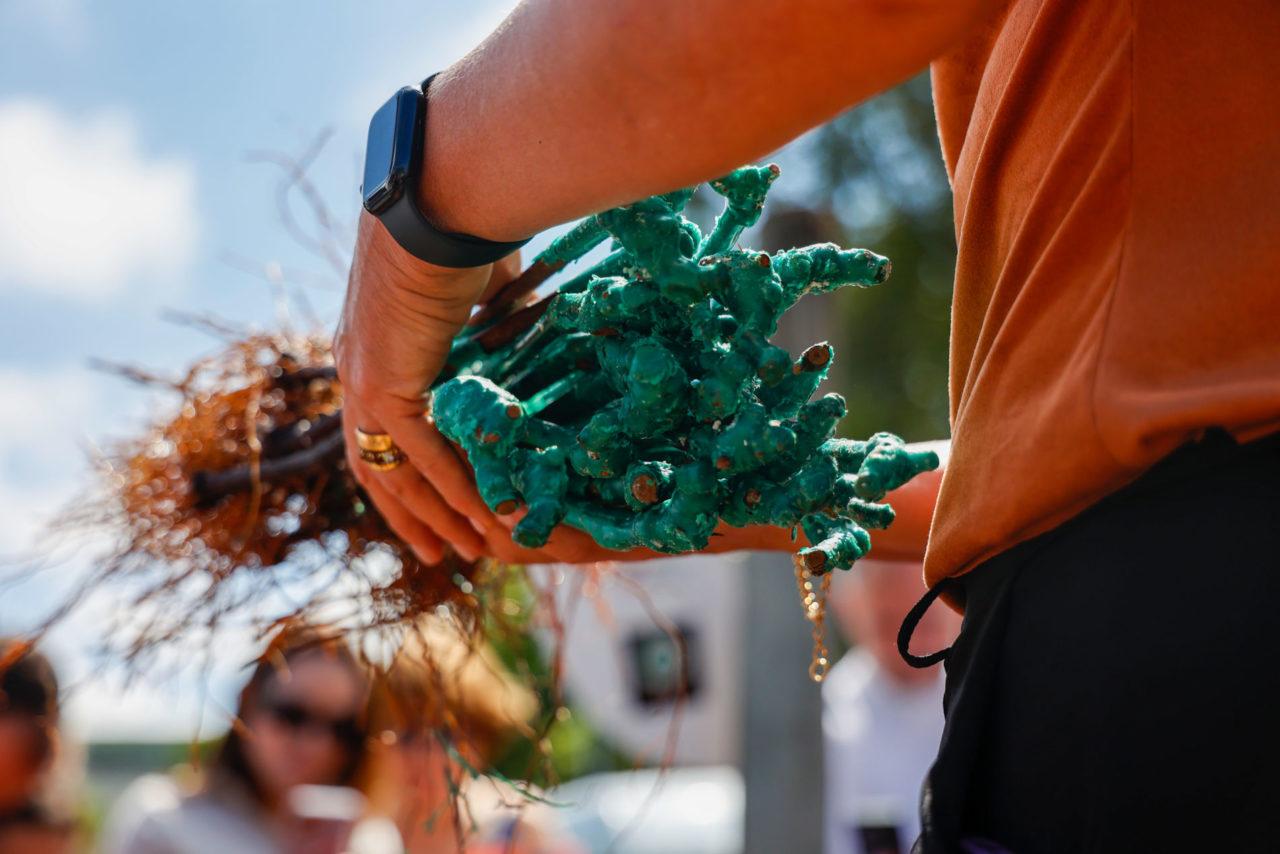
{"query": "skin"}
pixel 416 769
pixel 21 775
pixel 282 757
pixel 21 770
pixel 672 104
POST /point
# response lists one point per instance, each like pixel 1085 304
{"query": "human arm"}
pixel 569 109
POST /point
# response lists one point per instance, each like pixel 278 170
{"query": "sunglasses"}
pixel 345 730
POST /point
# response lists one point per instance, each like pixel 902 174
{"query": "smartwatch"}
pixel 392 169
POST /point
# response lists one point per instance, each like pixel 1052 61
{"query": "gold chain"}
pixel 813 598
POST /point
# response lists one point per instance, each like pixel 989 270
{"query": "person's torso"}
pixel 1115 176
pixel 878 741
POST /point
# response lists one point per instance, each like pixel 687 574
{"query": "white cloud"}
pixel 83 210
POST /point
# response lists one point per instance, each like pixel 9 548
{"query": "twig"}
pixel 299 435
pixel 295 176
pixel 525 283
pixel 209 486
pixel 302 376
pixel 133 373
pixel 506 330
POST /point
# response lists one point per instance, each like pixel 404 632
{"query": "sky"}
pixel 135 180
pixel 132 183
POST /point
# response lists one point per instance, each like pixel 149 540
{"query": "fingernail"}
pixel 467 554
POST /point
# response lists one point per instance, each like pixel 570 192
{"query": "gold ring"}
pixel 378 451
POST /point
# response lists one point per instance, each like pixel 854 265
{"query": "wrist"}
pixel 447 195
pixel 376 248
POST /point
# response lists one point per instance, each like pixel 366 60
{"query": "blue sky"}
pixel 125 189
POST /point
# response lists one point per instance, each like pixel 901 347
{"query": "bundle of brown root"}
pixel 242 494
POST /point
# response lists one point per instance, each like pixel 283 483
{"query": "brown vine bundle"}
pixel 243 491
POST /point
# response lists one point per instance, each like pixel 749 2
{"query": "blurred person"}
pixel 32 820
pixel 284 779
pixel 881 718
pixel 1114 362
pixel 442 713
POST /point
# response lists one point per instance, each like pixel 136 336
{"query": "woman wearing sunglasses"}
pixel 287 776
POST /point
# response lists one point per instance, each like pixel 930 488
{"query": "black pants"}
pixel 1116 682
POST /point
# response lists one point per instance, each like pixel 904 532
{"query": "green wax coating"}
pixel 824 267
pixel 677 199
pixel 722 388
pixel 485 420
pixel 549 395
pixel 574 243
pixel 773 364
pixel 759 500
pixel 543 434
pixel 750 290
pixel 682 523
pixel 647 404
pixel 609 491
pixel 889 464
pixel 614 264
pixel 653 235
pixel 848 453
pixel 752 441
pixel 606 303
pixel 656 393
pixel 812 427
pixel 785 397
pixel 839 541
pixel 561 355
pixel 602 449
pixel 744 191
pixel 646 483
pixel 542 477
pixel 868 514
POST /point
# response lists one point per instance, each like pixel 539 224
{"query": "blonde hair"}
pixel 441 681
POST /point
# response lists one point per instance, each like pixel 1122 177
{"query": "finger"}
pixel 415 533
pixel 429 453
pixel 422 500
pixel 422 540
pixel 500 546
pixel 569 545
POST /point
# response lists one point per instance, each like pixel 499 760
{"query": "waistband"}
pixel 1213 453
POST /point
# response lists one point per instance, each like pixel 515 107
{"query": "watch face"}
pixel 389 155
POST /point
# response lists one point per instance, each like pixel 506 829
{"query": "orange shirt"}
pixel 1116 168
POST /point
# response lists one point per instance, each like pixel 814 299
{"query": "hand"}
pixel 398 320
pixel 569 545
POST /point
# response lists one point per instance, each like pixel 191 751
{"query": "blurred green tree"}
pixel 874 178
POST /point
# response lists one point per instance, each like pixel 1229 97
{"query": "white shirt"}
pixel 152 817
pixel 879 739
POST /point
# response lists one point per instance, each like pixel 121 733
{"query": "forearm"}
pixel 570 108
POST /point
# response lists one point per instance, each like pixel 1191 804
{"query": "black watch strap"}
pixel 415 233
